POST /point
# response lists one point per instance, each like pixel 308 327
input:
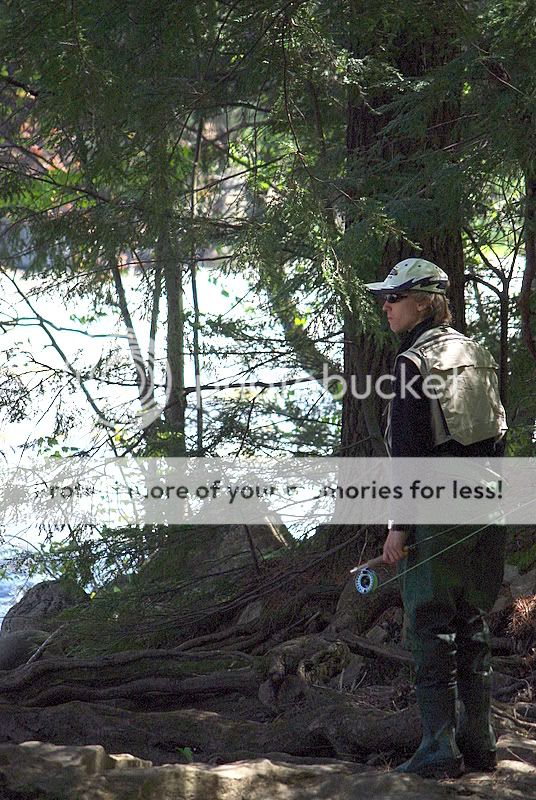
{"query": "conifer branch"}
pixel 72 371
pixel 19 85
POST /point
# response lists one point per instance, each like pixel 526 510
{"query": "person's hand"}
pixel 394 546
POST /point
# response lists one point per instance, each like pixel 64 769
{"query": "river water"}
pixel 10 592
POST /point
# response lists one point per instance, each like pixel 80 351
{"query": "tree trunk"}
pixel 504 343
pixel 361 433
pixel 446 250
pixel 364 136
pixel 172 270
pixel 529 274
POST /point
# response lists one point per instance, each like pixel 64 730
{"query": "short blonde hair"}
pixel 438 305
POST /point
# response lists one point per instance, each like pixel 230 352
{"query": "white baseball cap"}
pixel 413 275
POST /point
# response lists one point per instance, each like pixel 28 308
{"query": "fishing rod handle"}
pixel 373 562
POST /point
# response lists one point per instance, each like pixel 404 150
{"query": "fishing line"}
pixel 439 553
pixel 367 580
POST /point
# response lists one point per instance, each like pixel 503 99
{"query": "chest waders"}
pixel 446 598
pixel 450 582
pixel 449 639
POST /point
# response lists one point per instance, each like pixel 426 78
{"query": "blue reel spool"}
pixel 366 581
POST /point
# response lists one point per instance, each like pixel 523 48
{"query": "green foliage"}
pixel 88 556
pixel 187 754
pixel 524 559
pixel 170 594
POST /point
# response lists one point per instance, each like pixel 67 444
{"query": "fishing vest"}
pixel 467 406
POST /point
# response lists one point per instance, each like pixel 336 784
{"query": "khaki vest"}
pixel 468 407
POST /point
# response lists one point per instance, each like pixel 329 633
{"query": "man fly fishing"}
pixel 451 589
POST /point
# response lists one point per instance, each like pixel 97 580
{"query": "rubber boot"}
pixel 474 735
pixel 438 755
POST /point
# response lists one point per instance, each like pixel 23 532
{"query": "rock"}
pixel 504 600
pixel 293 690
pixel 295 665
pixel 91 759
pixel 251 613
pixel 41 604
pixel 511 572
pixel 18 646
pixel 268 693
pixel 350 676
pixel 377 635
pixel 355 613
pixel 34 770
pixel 516 585
pixel 206 551
pixel 313 658
pixel 499 680
pixel 524 585
pixel 231 547
pixel 65 772
pixel 511 745
pixel 510 766
pixel 387 626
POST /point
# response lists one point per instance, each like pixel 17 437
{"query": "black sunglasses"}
pixel 392 298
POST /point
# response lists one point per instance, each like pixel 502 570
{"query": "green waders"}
pixel 445 600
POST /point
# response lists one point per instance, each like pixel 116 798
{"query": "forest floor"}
pixel 294 667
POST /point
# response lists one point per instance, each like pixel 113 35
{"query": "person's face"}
pixel 405 313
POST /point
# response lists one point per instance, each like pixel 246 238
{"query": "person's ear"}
pixel 424 305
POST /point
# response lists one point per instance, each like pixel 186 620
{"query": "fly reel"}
pixel 366 581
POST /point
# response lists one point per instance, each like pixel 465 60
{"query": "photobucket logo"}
pixel 433 387
pixel 114 369
pixel 150 409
